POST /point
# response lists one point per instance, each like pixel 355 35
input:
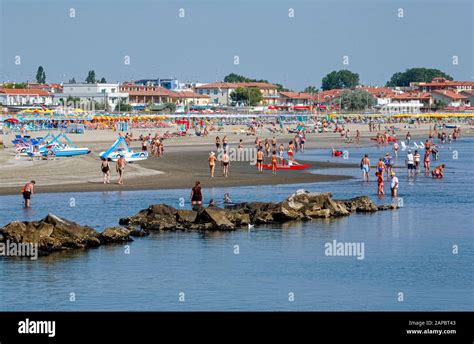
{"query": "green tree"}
pixel 250 96
pixel 440 105
pixel 123 107
pixel 91 77
pixel 20 85
pixel 40 75
pixel 311 89
pixel 340 79
pixel 232 77
pixel 355 100
pixel 103 81
pixel 403 79
pixel 72 81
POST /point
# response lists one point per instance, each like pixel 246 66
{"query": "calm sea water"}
pixel 408 251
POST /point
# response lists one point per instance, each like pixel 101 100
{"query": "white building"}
pixel 101 93
pixel 24 97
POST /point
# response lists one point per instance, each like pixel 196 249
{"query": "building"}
pixel 408 102
pixel 220 92
pixel 469 97
pixel 25 97
pixel 168 83
pixel 109 94
pixel 449 97
pixel 296 98
pixel 443 84
pixel 382 95
pixel 140 95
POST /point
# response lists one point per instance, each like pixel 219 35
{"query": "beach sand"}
pixel 185 161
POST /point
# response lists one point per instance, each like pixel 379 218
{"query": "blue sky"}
pixel 295 51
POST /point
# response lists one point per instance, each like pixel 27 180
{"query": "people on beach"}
pixel 282 154
pixel 212 163
pixel 394 185
pixel 120 167
pixel 417 159
pixel 365 167
pixel 291 148
pixel 218 143
pixel 438 172
pixel 380 183
pixel 260 160
pixel 105 168
pixel 410 163
pixel 274 162
pixel 426 161
pixel 395 149
pixel 225 164
pixel 196 196
pixel 27 191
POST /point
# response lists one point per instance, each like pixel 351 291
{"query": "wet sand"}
pixel 185 161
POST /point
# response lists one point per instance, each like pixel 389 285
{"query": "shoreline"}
pixel 185 162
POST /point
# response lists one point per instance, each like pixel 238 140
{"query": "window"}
pixel 216 91
pixel 208 91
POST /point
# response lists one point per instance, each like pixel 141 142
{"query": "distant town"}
pixel 416 90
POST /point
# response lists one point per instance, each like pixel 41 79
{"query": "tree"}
pixel 123 107
pixel 355 100
pixel 20 85
pixel 103 81
pixel 403 79
pixel 250 96
pixel 232 77
pixel 311 89
pixel 72 81
pixel 340 79
pixel 40 75
pixel 91 77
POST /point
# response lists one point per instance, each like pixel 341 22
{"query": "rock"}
pixel 115 234
pixel 51 234
pixel 359 204
pixel 186 215
pixel 216 216
pixel 300 206
pixel 387 207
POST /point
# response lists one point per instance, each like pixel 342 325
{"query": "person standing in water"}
pixel 282 154
pixel 260 160
pixel 105 168
pixel 121 162
pixel 196 196
pixel 395 149
pixel 394 185
pixel 212 163
pixel 225 164
pixel 365 167
pixel 27 191
pixel 380 185
pixel 410 161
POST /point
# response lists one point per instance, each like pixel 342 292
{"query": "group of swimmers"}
pixel 384 164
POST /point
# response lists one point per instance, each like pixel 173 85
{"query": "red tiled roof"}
pixel 189 94
pixel 220 84
pixel 297 95
pixel 24 91
pixel 450 94
pixel 413 96
pixel 379 92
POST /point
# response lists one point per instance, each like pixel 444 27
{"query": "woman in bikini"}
pixel 212 163
pixel 274 162
pixel 291 148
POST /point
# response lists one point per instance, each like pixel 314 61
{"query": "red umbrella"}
pixel 12 120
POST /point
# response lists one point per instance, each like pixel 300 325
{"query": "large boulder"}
pixel 217 217
pixel 360 204
pixel 51 234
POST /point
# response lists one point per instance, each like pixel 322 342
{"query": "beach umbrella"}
pixel 12 120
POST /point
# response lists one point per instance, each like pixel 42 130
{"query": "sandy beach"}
pixel 185 161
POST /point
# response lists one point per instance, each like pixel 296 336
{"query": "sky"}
pixel 295 43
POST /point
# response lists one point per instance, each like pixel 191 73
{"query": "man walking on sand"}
pixel 121 162
pixel 27 191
